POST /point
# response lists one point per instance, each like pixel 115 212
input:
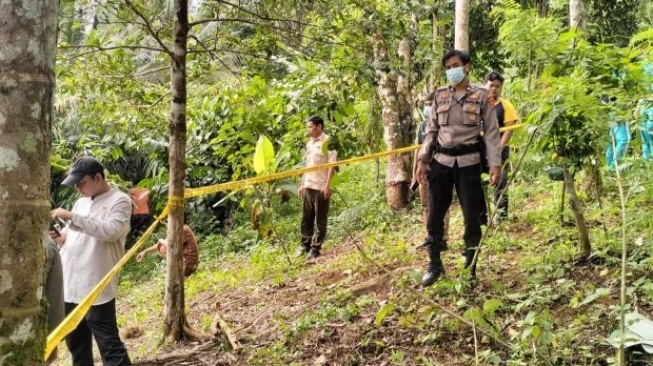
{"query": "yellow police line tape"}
pixel 230 186
pixel 75 317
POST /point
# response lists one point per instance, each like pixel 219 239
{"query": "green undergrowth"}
pixel 532 305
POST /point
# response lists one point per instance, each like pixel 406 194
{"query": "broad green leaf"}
pixel 491 305
pixel 473 314
pixel 264 160
pixel 536 331
pixel 385 310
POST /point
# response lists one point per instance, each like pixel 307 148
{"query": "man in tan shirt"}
pixel 315 190
pixel 451 156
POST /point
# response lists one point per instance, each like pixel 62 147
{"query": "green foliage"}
pixel 567 76
pixel 259 82
pixel 485 49
pixel 612 21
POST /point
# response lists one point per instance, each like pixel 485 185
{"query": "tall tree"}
pixel 175 325
pixel 28 37
pixel 393 64
pixel 396 116
pixel 175 316
pixel 577 20
pixel 461 36
pixel 577 14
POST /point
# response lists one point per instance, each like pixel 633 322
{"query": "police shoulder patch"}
pixel 442 93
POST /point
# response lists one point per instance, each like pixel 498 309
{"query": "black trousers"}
pixel 314 214
pixel 467 182
pixel 500 201
pixel 99 322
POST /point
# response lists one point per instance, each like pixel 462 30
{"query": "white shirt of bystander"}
pixel 95 242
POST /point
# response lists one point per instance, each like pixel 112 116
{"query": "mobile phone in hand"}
pixel 54 226
pixel 414 185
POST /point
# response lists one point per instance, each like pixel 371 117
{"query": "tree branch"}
pixel 164 68
pixel 128 22
pixel 239 20
pixel 115 12
pixel 215 49
pixel 157 101
pixel 212 55
pixel 97 49
pixel 209 20
pixel 259 16
pixel 149 28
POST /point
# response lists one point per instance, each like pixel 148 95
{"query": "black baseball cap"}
pixel 492 76
pixel 86 165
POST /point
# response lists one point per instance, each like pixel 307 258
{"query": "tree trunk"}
pixel 28 39
pixel 437 44
pixel 577 209
pixel 462 25
pixel 577 14
pixel 396 124
pixel 88 14
pixel 175 317
pixel 543 8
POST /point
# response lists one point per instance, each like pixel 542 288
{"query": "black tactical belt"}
pixel 459 150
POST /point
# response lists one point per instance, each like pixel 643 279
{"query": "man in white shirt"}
pixel 315 189
pixel 92 242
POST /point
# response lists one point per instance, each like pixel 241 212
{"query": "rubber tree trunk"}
pixel 397 125
pixel 175 317
pixel 576 207
pixel 461 30
pixel 28 40
pixel 577 14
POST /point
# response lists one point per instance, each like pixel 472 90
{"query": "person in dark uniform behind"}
pixel 53 288
pixel 450 158
pixel 506 115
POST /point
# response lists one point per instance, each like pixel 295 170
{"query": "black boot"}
pixel 302 251
pixel 435 270
pixel 313 253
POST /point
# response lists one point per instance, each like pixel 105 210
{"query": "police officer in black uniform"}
pixel 451 158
